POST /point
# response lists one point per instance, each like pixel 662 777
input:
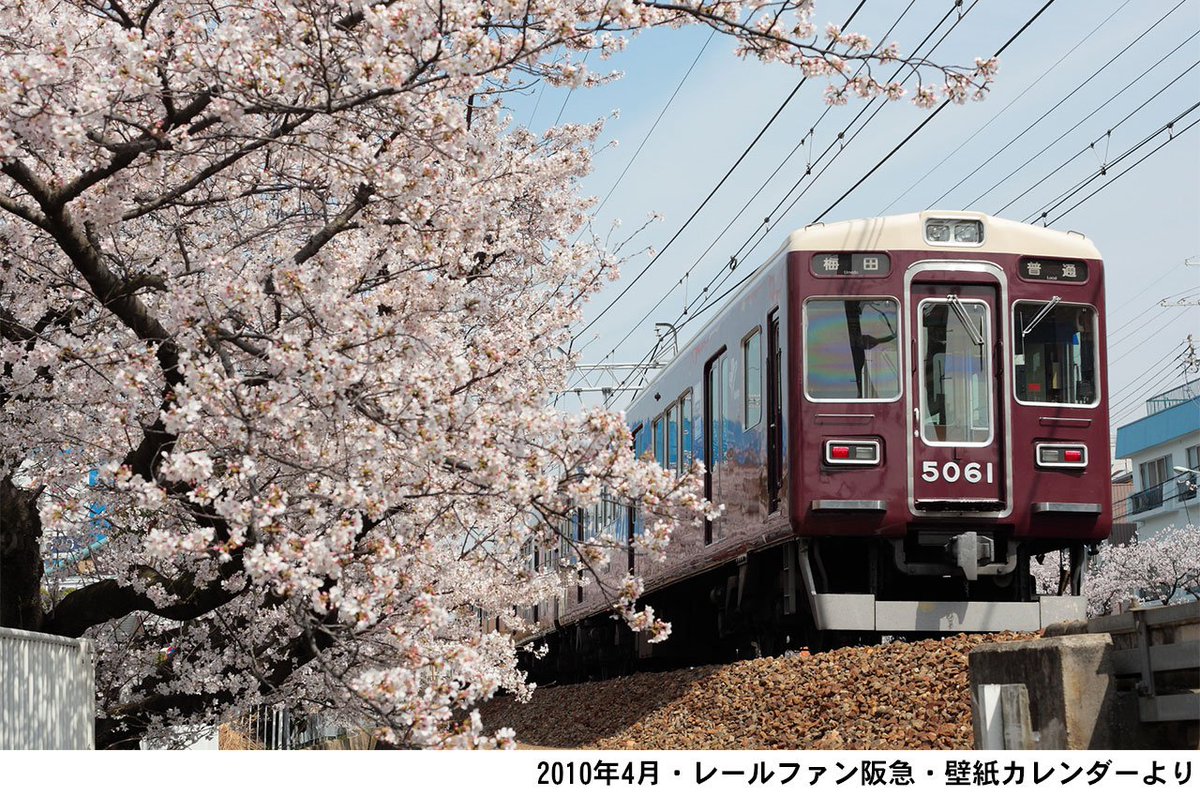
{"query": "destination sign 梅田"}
pixel 848 264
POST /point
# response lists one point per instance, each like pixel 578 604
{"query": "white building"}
pixel 1165 449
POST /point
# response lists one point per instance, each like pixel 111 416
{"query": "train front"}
pixel 947 421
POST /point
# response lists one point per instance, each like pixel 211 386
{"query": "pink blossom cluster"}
pixel 1163 568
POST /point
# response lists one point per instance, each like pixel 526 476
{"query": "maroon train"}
pixel 897 414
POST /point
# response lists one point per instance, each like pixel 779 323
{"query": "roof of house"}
pixel 1180 420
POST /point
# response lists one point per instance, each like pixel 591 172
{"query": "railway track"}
pixel 902 695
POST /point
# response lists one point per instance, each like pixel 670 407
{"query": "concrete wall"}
pixel 47 692
pixel 1075 701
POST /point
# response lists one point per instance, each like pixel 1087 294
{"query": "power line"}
pixel 1127 407
pixel 654 126
pixel 987 124
pixel 1136 382
pixel 1075 126
pixel 632 328
pixel 733 261
pixel 1059 104
pixel 1012 39
pixel 929 118
pixel 683 318
pixel 711 193
pixel 1171 137
pixel 774 217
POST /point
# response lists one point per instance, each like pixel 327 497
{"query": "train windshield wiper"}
pixel 1037 319
pixel 956 303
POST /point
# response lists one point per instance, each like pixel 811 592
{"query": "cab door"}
pixel 958 456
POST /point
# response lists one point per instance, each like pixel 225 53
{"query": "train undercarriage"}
pixel 820 594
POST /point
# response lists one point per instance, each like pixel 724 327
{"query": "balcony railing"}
pixel 1176 490
pixel 1146 500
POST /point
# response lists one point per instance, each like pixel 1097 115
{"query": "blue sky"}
pixel 1146 224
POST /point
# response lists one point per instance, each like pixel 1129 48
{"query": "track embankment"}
pixel 902 695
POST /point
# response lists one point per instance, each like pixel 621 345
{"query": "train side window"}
pixel 1055 353
pixel 659 442
pixel 752 378
pixel 851 349
pixel 672 441
pixel 685 432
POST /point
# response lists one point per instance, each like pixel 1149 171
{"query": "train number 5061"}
pixel 951 472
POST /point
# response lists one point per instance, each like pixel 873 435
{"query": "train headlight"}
pixel 968 232
pixel 1055 455
pixel 937 232
pixel 852 452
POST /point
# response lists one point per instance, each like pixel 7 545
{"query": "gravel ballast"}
pixel 903 695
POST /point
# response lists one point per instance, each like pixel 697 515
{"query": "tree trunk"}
pixel 20 558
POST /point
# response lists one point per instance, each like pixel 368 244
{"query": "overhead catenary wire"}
pixel 996 153
pixel 1172 137
pixel 654 126
pixel 847 193
pixel 999 113
pixel 632 328
pixel 1145 336
pixel 1092 144
pixel 1160 380
pixel 707 198
pixel 999 51
pixel 1045 209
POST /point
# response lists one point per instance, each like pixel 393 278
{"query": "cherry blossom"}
pixel 1164 568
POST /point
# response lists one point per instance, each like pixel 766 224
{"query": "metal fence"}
pixel 47 692
pixel 267 728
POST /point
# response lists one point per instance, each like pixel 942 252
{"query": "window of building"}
pixel 851 352
pixel 1155 475
pixel 1055 358
pixel 752 378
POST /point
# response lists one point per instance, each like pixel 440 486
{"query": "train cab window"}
pixel 851 352
pixel 1055 356
pixel 956 385
pixel 752 378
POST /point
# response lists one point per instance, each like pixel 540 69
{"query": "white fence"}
pixel 47 692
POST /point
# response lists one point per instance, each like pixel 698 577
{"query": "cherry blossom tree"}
pixel 1164 568
pixel 289 281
